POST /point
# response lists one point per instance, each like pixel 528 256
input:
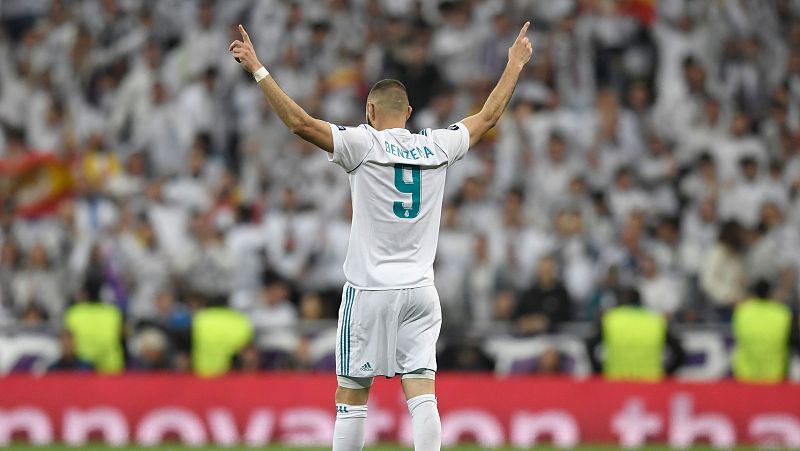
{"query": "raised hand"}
pixel 244 52
pixel 520 52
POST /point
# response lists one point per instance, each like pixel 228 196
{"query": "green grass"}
pixel 371 448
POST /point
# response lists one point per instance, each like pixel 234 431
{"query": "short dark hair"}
pixel 690 60
pixel 387 83
pixel 747 160
pixel 93 286
pixel 705 157
pixel 216 301
pixel 629 296
pixel 730 235
pixel 762 289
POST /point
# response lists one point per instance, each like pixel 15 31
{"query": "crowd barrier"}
pixel 709 350
pixel 297 409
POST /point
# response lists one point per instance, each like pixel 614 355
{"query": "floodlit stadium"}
pixel 399 224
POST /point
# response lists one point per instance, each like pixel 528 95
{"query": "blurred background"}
pixel 156 216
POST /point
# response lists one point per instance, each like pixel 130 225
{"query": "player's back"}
pixel 397 184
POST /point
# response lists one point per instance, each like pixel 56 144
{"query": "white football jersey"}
pixel 397 184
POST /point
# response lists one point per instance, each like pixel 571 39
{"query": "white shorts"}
pixel 388 332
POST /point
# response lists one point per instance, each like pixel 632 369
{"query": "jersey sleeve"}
pixel 453 140
pixel 350 146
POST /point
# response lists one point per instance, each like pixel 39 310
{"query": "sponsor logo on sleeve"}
pixel 341 127
pixel 453 127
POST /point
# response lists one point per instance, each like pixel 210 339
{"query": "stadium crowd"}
pixel 653 145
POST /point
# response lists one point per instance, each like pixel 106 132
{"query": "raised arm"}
pixel 518 55
pixel 313 130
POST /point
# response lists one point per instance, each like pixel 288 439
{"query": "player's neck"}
pixel 386 124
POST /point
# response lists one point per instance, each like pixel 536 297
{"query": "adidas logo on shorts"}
pixel 367 368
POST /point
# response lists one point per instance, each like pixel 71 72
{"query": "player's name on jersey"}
pixel 413 154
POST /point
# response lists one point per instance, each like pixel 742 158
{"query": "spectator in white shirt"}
pixel 576 254
pixel 773 254
pixel 10 264
pixel 482 284
pixel 456 42
pixel 171 224
pixel 147 268
pixel 553 173
pixel 275 318
pixel 327 273
pixel 698 234
pixel 245 242
pixel 702 182
pixel 722 275
pixel 661 292
pixel 452 258
pixel 201 43
pixel 741 143
pixel 625 197
pixel 165 134
pixel 45 130
pixel 134 99
pixel 39 282
pixel 706 128
pixel 192 190
pixel 292 235
pixel 743 201
pixel 211 265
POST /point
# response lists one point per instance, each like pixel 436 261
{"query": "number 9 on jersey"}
pixel 414 188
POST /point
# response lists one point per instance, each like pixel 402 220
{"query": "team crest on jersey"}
pixel 453 127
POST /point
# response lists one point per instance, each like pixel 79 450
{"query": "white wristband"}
pixel 260 74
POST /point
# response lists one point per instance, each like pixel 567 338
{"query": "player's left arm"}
pixel 518 55
pixel 302 124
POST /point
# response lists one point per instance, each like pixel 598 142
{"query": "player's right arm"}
pixel 518 55
pixel 315 131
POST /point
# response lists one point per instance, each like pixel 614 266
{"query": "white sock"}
pixel 348 432
pixel 425 423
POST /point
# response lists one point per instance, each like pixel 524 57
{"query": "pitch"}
pixel 369 448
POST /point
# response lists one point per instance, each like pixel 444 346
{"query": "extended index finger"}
pixel 524 30
pixel 245 36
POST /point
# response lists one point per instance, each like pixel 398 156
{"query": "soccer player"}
pixel 390 315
